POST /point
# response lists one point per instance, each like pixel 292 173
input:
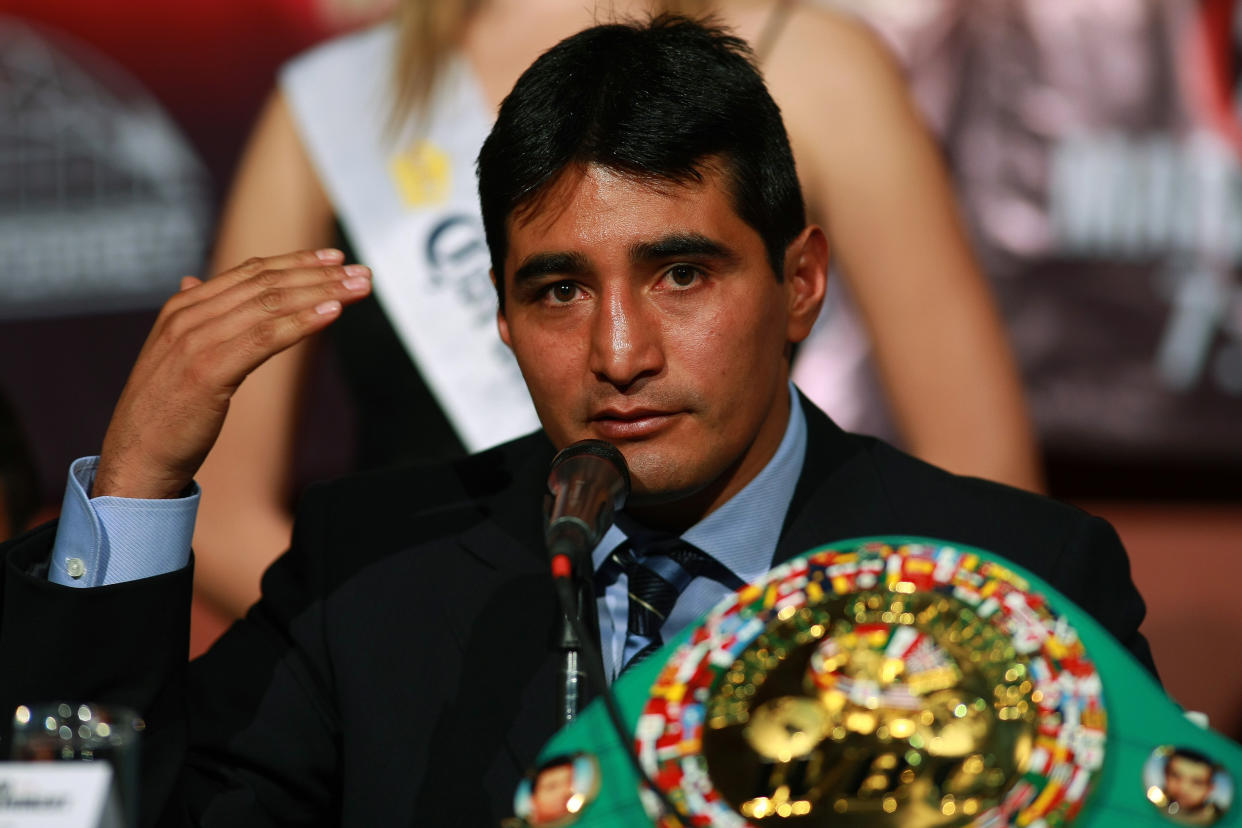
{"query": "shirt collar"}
pixel 742 533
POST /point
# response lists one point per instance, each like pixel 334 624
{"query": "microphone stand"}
pixel 571 685
pixel 571 679
pixel 572 676
pixel 594 664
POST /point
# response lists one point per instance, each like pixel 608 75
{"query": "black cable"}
pixel 595 669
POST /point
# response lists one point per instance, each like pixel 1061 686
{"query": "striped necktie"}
pixel 657 574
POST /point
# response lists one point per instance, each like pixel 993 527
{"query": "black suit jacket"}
pixel 400 666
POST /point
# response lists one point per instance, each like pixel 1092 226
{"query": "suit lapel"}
pixel 509 591
pixel 838 496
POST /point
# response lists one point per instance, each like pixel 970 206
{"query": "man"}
pixel 654 271
pixel 551 791
pixel 1188 784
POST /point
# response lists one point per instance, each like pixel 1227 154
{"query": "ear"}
pixel 502 324
pixel 806 278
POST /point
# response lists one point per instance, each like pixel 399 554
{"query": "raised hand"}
pixel 207 338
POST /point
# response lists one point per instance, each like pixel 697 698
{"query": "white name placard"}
pixel 57 795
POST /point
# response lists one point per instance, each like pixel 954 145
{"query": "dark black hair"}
pixel 663 100
pixel 559 760
pixel 1192 755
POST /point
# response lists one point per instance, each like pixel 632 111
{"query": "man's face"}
pixel 550 795
pixel 647 315
pixel 1187 782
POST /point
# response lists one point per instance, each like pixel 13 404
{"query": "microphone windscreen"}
pixel 595 448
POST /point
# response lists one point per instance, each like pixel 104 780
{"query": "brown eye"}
pixel 683 275
pixel 563 291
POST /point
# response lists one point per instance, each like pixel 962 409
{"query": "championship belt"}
pixel 891 681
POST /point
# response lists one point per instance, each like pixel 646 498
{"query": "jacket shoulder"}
pixel 416 491
pixel 356 520
pixel 1077 553
pixel 918 490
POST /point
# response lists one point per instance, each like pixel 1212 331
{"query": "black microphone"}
pixel 589 482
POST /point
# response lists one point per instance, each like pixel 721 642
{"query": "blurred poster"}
pixel 1095 145
pixel 120 125
pixel 102 201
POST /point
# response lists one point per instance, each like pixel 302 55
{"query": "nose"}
pixel 626 340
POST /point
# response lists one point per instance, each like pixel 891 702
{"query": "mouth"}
pixel 631 424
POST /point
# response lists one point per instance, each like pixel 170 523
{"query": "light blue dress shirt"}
pixel 741 534
pixel 109 540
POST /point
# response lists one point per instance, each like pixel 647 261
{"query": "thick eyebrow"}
pixel 548 264
pixel 672 246
pixel 679 245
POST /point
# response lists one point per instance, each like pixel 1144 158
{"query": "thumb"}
pixel 188 282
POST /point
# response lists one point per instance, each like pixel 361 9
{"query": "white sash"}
pixel 411 209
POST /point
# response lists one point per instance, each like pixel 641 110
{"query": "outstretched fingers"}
pixel 271 301
pixel 275 294
pixel 237 343
pixel 285 261
pixel 207 338
pixel 258 274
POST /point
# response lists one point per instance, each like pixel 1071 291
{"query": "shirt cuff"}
pixel 109 540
